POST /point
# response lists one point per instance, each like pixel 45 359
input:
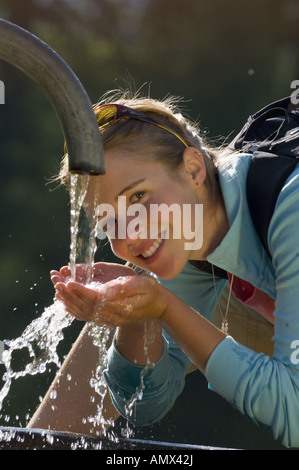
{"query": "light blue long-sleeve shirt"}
pixel 264 389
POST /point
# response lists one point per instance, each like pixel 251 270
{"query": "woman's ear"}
pixel 194 166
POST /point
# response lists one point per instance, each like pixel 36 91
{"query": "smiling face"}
pixel 149 183
pixel 156 165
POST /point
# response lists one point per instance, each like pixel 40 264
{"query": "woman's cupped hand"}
pixel 117 296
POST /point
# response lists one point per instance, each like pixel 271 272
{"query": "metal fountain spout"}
pixel 44 66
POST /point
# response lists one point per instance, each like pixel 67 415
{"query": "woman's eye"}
pixel 137 196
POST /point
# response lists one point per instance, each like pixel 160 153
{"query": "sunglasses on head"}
pixel 108 114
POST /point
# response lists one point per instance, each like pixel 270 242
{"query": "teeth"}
pixel 152 249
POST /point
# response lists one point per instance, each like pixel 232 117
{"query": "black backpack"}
pixel 272 136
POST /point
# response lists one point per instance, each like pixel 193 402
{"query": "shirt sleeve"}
pixel 144 395
pixel 264 389
pixel 164 382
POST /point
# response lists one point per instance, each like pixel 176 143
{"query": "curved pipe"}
pixel 63 89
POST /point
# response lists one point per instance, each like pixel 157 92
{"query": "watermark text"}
pixel 295 353
pixel 2 92
pixel 295 93
pixel 1 351
pixel 157 221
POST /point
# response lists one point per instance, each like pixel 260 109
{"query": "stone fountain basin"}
pixel 13 438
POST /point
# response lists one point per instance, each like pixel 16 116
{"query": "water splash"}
pixel 40 339
pixel 130 408
pixel 82 251
pixel 101 337
pixel 42 336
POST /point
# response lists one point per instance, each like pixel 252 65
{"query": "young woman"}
pixel 155 157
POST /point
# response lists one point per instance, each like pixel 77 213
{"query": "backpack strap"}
pixel 207 268
pixel 266 177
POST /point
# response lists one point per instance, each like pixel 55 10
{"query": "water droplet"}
pixel 50 438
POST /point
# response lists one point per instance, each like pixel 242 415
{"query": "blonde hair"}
pixel 156 143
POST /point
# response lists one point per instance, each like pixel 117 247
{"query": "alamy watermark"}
pixel 295 93
pixel 136 221
pixel 2 92
pixel 1 351
pixel 295 353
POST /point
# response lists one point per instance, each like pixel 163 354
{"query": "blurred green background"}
pixel 225 58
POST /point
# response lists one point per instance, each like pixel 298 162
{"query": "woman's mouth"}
pixel 152 250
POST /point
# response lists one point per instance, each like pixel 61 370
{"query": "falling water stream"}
pixel 42 336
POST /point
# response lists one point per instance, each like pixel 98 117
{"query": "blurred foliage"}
pixel 226 58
